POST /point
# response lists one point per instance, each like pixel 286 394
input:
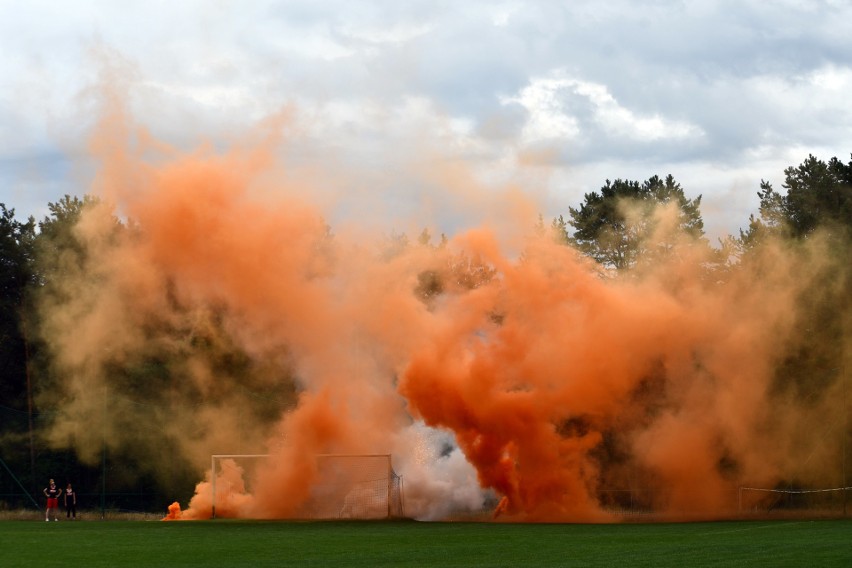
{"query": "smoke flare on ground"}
pixel 493 369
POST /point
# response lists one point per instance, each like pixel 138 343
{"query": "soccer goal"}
pixel 347 486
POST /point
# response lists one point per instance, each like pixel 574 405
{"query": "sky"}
pixel 551 97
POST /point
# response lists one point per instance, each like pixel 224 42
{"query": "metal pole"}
pixel 213 477
pixel 29 401
pixel 390 485
pixel 103 458
pixel 845 432
pixel 213 474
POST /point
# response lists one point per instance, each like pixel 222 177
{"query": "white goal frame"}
pixel 787 492
pixel 391 476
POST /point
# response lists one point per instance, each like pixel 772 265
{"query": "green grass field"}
pixel 408 543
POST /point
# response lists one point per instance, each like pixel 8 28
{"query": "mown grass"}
pixel 408 543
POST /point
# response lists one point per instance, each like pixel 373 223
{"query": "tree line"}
pixel 625 225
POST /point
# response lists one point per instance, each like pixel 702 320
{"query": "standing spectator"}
pixel 52 493
pixel 70 503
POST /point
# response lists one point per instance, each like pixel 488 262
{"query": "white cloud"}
pixel 620 121
pixel 501 13
pixel 312 44
pixel 547 117
pixel 832 80
pixel 548 101
pixel 212 97
pixel 396 33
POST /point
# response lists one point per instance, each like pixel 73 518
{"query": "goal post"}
pixel 346 486
pixel 213 459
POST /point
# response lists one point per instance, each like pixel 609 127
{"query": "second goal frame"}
pixel 393 500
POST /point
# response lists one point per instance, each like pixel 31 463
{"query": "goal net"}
pixel 346 486
pixel 833 499
pixel 355 487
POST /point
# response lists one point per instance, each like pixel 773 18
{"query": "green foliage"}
pixel 818 194
pixel 559 227
pixel 60 259
pixel 394 245
pixel 614 226
pixel 425 238
pixel 459 273
pixel 453 271
pixel 16 259
pixel 150 388
pixel 59 249
pixel 814 218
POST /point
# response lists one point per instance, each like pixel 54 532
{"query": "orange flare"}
pixel 174 512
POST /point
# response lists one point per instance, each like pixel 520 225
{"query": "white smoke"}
pixel 439 482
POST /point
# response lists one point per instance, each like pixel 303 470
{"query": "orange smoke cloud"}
pixel 501 507
pixel 174 512
pixel 530 379
pixel 576 367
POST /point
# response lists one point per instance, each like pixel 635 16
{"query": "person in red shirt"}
pixel 52 493
pixel 70 503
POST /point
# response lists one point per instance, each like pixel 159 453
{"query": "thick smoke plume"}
pixel 493 369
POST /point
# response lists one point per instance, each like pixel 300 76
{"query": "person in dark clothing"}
pixel 70 503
